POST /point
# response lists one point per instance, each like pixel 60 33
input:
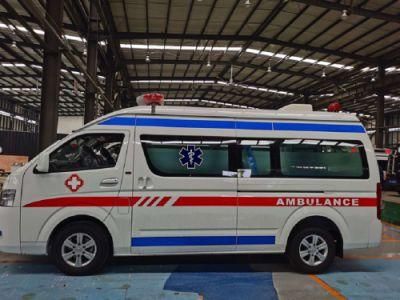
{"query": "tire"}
pixel 93 256
pixel 322 260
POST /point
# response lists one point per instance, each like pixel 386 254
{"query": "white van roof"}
pixel 289 112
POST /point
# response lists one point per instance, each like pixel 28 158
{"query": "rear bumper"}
pixel 9 230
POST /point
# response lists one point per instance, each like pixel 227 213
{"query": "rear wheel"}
pixel 80 248
pixel 311 250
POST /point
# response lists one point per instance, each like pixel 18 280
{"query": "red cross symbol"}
pixel 74 182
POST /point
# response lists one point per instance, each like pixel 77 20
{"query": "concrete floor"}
pixel 362 274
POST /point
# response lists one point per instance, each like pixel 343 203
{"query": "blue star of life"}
pixel 191 156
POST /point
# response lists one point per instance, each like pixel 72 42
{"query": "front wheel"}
pixel 311 250
pixel 80 248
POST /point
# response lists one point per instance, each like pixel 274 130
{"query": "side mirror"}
pixel 43 163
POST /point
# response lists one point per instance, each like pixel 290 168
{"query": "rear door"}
pixel 184 195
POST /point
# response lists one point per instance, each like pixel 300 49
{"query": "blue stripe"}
pixel 256 240
pixel 242 125
pixel 318 127
pixel 186 123
pixel 201 241
pixel 119 121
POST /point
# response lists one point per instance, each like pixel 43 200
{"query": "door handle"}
pixel 141 183
pixel 148 183
pixel 109 181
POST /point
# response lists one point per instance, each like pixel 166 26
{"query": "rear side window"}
pixel 322 159
pixel 187 156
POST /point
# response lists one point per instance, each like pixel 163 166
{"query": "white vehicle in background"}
pixel 186 180
pixel 382 156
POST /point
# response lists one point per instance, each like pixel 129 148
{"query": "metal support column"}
pixel 380 109
pixel 306 98
pixel 50 76
pixel 92 40
pixel 110 81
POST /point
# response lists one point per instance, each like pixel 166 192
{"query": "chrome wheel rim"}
pixel 79 250
pixel 313 250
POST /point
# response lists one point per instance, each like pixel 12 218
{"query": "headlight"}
pixel 7 197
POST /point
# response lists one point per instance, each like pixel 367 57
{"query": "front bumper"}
pixel 9 228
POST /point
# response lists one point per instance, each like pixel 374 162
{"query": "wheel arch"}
pixel 329 219
pixel 74 219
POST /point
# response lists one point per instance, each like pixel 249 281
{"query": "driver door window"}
pixel 87 152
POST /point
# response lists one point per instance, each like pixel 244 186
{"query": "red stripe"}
pixel 152 201
pixel 135 200
pixel 306 201
pixel 163 201
pixel 141 203
pixel 206 201
pixel 82 201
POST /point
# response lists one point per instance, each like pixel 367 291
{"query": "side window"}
pixel 322 158
pixel 87 152
pixel 256 156
pixel 187 156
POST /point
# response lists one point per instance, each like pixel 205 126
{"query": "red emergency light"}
pixel 334 107
pixel 150 99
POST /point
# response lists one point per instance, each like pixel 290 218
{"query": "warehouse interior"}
pixel 65 63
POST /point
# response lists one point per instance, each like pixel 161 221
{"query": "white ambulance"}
pixel 186 180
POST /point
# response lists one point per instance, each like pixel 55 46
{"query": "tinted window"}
pixel 320 158
pixel 187 156
pixel 256 156
pixel 87 152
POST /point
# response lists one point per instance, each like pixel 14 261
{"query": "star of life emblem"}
pixel 191 156
pixel 74 182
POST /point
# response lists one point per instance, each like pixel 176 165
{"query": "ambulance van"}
pixel 190 180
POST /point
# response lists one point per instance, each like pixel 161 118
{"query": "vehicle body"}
pixel 197 180
pixel 382 157
pixel 392 178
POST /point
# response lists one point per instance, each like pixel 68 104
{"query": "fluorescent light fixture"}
pixel 253 51
pixel 292 142
pixel 248 142
pixel 395 98
pixel 295 58
pixel 38 31
pixel 263 142
pixel 4 113
pixel 310 142
pixel 323 63
pixel 328 143
pixel 309 61
pixel 280 55
pixel 7 64
pixel 338 66
pixel 190 100
pixel 180 48
pixel 73 38
pixel 266 53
